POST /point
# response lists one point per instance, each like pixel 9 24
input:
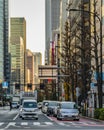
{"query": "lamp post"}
pixel 100 70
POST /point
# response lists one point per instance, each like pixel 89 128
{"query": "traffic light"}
pixel 29 85
pixel 41 85
pixel 17 86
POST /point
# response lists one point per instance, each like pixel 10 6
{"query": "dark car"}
pixel 50 107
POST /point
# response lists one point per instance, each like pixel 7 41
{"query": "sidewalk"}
pixel 5 108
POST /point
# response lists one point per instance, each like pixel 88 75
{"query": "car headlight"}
pixel 76 114
pixel 22 110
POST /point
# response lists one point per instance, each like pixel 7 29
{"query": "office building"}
pixel 17 50
pixel 4 51
pixel 37 62
pixel 52 14
pixel 30 70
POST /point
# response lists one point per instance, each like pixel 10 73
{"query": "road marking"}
pixel 48 123
pixel 48 117
pixel 61 123
pixel 73 123
pixel 92 122
pixel 24 123
pixel 15 117
pixel 1 123
pixel 67 124
pixel 10 124
pixel 36 123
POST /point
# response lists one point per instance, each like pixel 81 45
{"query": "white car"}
pixel 39 105
pixel 44 106
pixel 67 111
pixel 29 109
pixel 15 105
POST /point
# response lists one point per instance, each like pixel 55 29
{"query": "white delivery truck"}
pixel 28 95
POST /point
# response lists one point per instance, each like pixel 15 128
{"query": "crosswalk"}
pixel 67 124
pixel 79 124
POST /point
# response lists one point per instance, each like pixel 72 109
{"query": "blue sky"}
pixel 33 11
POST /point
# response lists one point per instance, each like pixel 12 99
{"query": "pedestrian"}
pixel 10 105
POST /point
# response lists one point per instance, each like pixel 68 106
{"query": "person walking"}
pixel 10 105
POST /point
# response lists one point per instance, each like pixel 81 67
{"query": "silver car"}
pixel 67 111
pixel 29 109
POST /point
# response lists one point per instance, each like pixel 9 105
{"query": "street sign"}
pixel 4 84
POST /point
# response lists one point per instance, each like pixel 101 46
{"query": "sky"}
pixel 34 13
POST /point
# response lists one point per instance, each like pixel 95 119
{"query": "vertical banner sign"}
pixel 35 93
pixel 4 84
pixel 77 91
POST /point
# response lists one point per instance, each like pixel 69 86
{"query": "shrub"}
pixel 99 113
pixel 101 117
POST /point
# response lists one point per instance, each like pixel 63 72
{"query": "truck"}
pixel 16 98
pixel 28 95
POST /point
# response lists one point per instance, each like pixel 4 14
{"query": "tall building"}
pixel 52 14
pixel 30 70
pixel 18 28
pixel 37 62
pixel 18 49
pixel 4 52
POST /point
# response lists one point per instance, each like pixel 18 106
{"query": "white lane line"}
pixel 36 123
pixel 61 123
pixel 10 124
pixel 15 117
pixel 48 123
pixel 24 123
pixel 1 123
pixel 72 123
pixel 48 117
pixel 92 122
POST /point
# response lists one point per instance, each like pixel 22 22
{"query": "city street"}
pixel 11 120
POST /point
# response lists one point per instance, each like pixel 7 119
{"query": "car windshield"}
pixel 45 102
pixel 30 105
pixel 69 106
pixel 52 103
pixel 14 103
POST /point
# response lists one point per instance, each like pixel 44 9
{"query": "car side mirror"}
pixel 46 104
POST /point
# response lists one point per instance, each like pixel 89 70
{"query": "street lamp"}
pixel 99 77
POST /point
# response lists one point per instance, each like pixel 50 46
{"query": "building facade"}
pixel 52 14
pixel 17 50
pixel 29 71
pixel 37 62
pixel 4 46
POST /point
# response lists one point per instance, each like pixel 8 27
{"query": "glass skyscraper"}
pixel 4 55
pixel 17 49
pixel 52 15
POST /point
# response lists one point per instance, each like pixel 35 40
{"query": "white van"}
pixel 29 109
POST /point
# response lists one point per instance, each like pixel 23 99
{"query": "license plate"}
pixel 29 116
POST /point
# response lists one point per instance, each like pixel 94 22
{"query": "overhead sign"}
pixel 46 72
pixel 4 84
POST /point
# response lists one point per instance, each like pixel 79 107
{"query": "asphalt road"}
pixel 10 120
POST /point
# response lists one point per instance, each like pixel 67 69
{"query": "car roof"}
pixel 14 102
pixel 67 102
pixel 29 100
